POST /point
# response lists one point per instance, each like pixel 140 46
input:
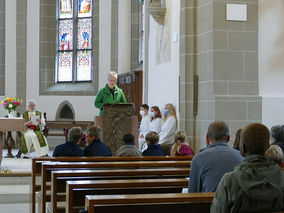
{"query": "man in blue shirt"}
pixel 209 166
pixel 96 147
pixel 70 148
pixel 154 149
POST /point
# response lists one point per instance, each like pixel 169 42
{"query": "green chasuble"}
pixel 37 131
pixel 105 96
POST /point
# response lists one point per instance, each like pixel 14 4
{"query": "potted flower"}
pixel 10 104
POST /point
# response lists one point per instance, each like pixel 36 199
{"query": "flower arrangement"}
pixel 11 104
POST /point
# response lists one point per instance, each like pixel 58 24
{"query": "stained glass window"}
pixel 74 44
pixel 84 8
pixel 65 8
pixel 84 33
pixel 65 34
pixel 84 63
pixel 65 66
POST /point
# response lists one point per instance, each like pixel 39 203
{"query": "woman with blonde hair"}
pixel 110 94
pixel 275 153
pixel 181 147
pixel 169 127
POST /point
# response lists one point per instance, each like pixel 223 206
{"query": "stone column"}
pixel 223 54
pixel 21 52
pixel 124 36
pixel 11 51
pixel 2 47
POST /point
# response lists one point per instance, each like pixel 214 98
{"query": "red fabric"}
pixel 185 150
pixel 32 127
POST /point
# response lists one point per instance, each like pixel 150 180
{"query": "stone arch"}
pixel 65 111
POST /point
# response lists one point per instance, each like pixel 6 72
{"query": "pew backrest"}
pixel 59 178
pixel 49 166
pixel 37 163
pixel 125 201
pixel 119 185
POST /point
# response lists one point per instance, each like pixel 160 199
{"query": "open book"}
pixel 33 120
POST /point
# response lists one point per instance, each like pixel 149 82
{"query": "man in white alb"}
pixel 34 122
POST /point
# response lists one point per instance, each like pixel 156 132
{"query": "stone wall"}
pixel 114 35
pixel 135 24
pixel 21 51
pixel 48 28
pixel 2 47
pixel 224 56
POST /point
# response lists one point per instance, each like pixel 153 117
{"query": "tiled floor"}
pixel 18 164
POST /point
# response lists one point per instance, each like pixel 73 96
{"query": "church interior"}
pixel 189 62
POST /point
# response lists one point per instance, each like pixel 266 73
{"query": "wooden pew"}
pixel 141 203
pixel 76 190
pixel 166 203
pixel 59 178
pixel 36 165
pixel 49 166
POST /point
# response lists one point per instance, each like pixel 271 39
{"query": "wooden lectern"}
pixel 10 124
pixel 115 123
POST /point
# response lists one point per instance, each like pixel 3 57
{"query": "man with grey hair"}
pixel 95 146
pixel 70 148
pixel 34 122
pixel 209 166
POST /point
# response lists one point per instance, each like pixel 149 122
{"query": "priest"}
pixel 34 122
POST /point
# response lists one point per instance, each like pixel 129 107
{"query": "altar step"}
pixel 15 192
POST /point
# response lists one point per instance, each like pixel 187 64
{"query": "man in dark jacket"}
pixel 154 149
pixel 70 148
pixel 257 184
pixel 96 147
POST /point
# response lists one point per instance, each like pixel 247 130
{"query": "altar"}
pixel 10 124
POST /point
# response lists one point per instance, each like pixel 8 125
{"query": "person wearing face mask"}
pixel 169 127
pixel 155 123
pixel 110 94
pixel 156 119
pixel 144 126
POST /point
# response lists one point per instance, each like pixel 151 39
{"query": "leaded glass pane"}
pixel 84 65
pixel 65 34
pixel 84 33
pixel 65 8
pixel 65 66
pixel 84 8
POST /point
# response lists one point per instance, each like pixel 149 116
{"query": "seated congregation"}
pixel 247 177
pixel 157 137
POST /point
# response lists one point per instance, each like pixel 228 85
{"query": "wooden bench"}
pixel 166 203
pixel 66 125
pixel 50 166
pixel 59 178
pixel 141 203
pixel 37 162
pixel 77 190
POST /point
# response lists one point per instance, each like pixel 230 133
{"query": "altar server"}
pixel 155 123
pixel 169 127
pixel 156 120
pixel 34 122
pixel 144 126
